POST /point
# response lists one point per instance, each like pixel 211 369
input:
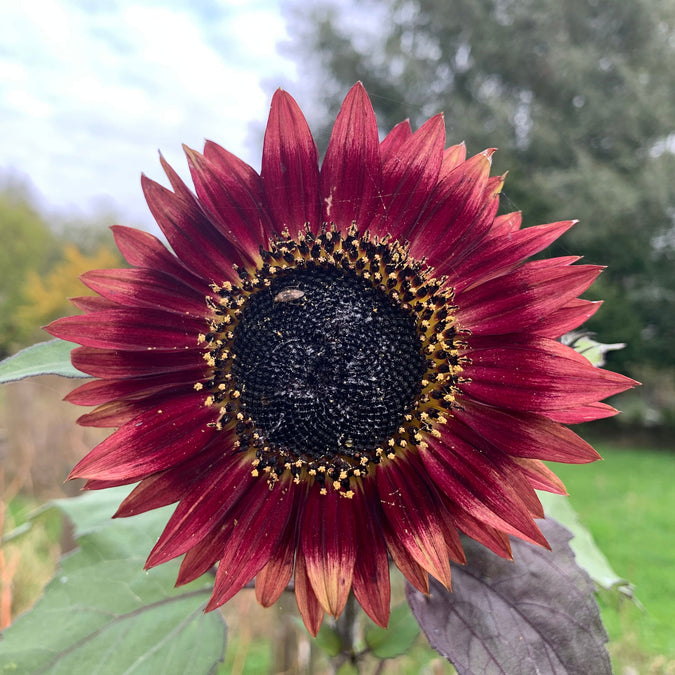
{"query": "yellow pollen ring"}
pixel 408 283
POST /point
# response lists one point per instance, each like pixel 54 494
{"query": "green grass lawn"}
pixel 628 503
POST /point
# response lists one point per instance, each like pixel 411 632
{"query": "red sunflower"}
pixel 335 365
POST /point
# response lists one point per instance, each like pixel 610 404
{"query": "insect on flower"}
pixel 289 294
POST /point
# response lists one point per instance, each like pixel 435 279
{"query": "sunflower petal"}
pixel 144 250
pixel 503 250
pixel 251 541
pixel 584 413
pixel 144 288
pixel 536 375
pixel 351 173
pixel 129 329
pixel 327 538
pixel 540 476
pixel 371 569
pixel 290 168
pixel 245 186
pixel 519 299
pixel 413 514
pixel 209 501
pixel 168 486
pixel 191 235
pixel 233 210
pixel 153 441
pixel 523 434
pixel 408 179
pixel 96 392
pixel 456 202
pixel 491 537
pixel 275 576
pixel 479 488
pixel 114 364
pixel 399 134
pixel 310 608
pixel 566 318
pixel 452 158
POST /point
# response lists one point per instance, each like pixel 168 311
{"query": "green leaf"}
pixel 388 643
pixel 593 350
pixel 348 668
pixel 103 613
pixel 329 640
pixel 45 358
pixel 586 551
pixel 93 511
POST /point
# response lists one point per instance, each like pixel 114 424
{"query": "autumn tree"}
pixel 40 263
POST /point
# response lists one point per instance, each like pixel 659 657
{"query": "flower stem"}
pixel 346 626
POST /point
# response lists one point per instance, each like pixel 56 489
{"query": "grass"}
pixel 628 503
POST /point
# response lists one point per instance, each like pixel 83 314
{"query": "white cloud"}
pixel 90 91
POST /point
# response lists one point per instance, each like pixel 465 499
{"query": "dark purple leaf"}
pixel 536 614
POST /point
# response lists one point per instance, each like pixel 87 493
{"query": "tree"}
pixel 576 94
pixel 40 264
pixel 45 297
pixel 27 244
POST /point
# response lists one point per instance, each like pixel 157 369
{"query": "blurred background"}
pixel 578 95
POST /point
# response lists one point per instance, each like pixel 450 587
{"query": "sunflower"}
pixel 336 364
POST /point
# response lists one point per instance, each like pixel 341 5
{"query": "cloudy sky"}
pixel 90 91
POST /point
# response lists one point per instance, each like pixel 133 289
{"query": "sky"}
pixel 91 91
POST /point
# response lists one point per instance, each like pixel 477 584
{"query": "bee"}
pixel 289 294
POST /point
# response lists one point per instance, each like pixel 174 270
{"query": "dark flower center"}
pixel 325 363
pixel 336 353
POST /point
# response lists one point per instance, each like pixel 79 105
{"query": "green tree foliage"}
pixel 27 244
pixel 40 264
pixel 45 296
pixel 576 94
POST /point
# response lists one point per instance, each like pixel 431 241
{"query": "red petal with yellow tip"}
pixel 328 541
pixel 310 608
pixel 371 569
